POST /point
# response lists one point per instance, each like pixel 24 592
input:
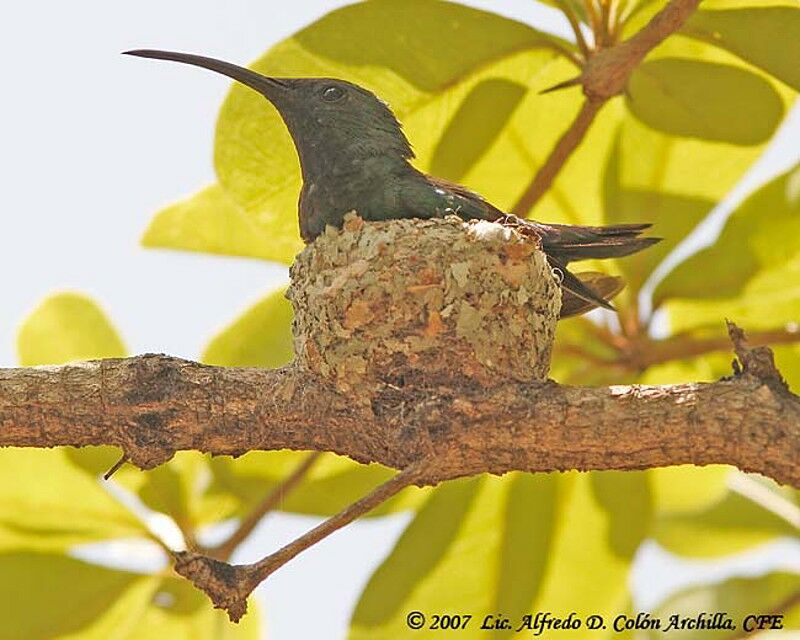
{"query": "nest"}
pixel 426 303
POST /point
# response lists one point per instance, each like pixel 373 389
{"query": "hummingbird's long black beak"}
pixel 270 88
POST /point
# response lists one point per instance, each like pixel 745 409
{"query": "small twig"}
pixel 224 550
pixel 116 467
pixel 595 20
pixel 229 586
pixel 682 346
pixel 373 499
pixel 574 22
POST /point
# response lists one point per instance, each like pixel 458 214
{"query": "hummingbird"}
pixel 354 156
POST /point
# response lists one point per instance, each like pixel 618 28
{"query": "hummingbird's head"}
pixel 334 123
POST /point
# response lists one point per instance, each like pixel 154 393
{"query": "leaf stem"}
pixel 574 22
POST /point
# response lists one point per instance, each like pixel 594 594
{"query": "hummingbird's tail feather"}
pixel 604 285
pixel 575 242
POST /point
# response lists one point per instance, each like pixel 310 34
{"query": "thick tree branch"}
pixel 152 406
pixel 604 76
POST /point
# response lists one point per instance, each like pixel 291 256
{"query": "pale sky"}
pixel 93 143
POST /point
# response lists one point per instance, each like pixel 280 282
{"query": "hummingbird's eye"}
pixel 332 93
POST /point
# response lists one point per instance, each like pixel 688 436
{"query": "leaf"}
pixel 688 489
pixel 67 327
pixel 522 543
pixel 737 597
pixel 759 236
pixel 46 500
pixel 703 100
pixel 46 596
pixel 731 525
pixel 48 503
pixel 479 120
pixel 674 214
pixel 211 222
pixel 261 337
pixel 59 596
pixel 178 611
pixel 767 37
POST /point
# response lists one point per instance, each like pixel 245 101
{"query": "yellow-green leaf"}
pixel 46 502
pixel 67 327
pixel 261 337
pixel 472 130
pixel 739 598
pixel 768 36
pixel 511 545
pixel 211 222
pixel 178 611
pixel 702 100
pixel 759 239
pixel 45 596
pixel 728 526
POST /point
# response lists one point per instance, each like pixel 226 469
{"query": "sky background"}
pixel 93 143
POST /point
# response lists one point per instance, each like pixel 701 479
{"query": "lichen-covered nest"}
pixel 423 303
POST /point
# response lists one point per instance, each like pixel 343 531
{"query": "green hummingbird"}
pixel 354 156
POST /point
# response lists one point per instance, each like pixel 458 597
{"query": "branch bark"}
pixel 153 405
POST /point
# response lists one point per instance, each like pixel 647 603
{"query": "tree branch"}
pixel 152 406
pixel 604 76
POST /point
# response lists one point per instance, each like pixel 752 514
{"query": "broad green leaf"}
pixel 671 181
pixel 211 222
pixel 686 488
pixel 46 596
pixel 674 214
pixel 46 502
pixel 261 337
pixel 767 36
pixel 53 596
pixel 758 246
pixel 514 545
pixel 67 327
pixel 473 129
pixel 702 100
pixel 737 597
pixel 731 525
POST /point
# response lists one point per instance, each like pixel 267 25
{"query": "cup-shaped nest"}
pixel 423 303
